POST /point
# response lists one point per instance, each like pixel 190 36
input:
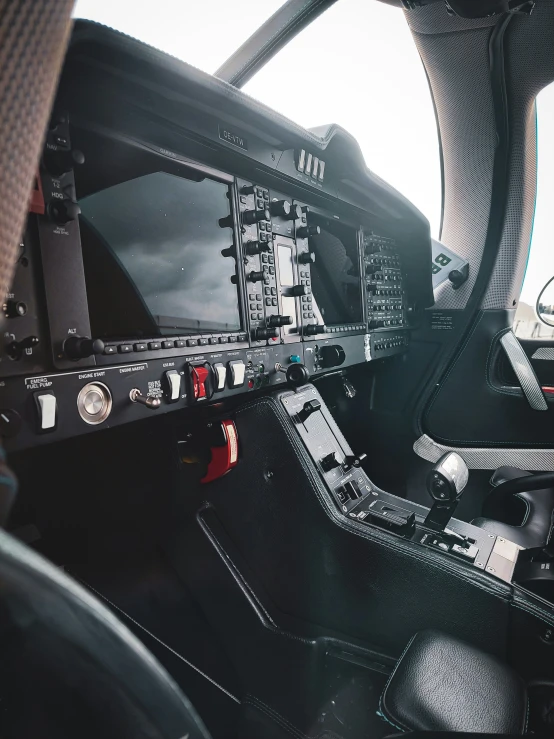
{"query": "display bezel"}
pixel 174 164
pixel 317 216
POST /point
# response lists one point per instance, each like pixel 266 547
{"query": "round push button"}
pixel 94 403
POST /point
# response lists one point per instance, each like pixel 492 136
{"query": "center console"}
pixel 361 500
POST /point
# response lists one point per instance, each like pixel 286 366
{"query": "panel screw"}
pixel 491 569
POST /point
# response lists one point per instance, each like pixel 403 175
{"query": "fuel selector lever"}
pixel 309 407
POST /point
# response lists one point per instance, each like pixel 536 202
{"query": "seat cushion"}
pixel 441 683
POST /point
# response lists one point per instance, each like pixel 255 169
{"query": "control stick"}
pixel 445 484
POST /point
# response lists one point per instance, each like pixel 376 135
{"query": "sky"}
pixel 355 65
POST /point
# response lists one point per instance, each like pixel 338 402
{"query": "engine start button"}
pixel 94 403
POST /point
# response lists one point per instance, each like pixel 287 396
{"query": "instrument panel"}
pixel 152 279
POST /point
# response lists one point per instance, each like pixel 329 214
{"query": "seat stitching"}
pixel 375 536
pixel 382 698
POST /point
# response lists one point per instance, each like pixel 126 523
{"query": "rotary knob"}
pixel 304 232
pixel 279 321
pixel 312 329
pixel 332 356
pixel 80 347
pixel 298 290
pixel 281 208
pixel 307 257
pixel 254 216
pixel 257 247
pixel 265 333
pixel 63 211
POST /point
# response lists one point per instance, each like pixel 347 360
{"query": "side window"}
pixel 357 65
pixel 540 265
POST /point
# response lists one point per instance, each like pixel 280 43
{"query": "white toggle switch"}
pixel 174 385
pixel 237 369
pixel 220 373
pixel 47 411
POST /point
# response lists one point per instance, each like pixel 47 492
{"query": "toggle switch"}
pixel 47 411
pixel 173 384
pixel 236 372
pixel 220 374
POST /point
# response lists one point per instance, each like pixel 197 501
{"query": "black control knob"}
pixel 332 356
pixel 15 349
pixel 60 162
pixel 351 460
pixel 307 257
pixel 281 208
pixel 329 462
pixel 248 190
pixel 255 276
pixel 295 213
pixel 257 247
pixel 265 333
pixel 63 211
pixel 80 347
pixel 312 329
pixel 253 216
pixel 304 232
pixel 279 321
pixel 371 269
pixel 309 407
pixel 297 374
pixel 15 308
pixel 298 290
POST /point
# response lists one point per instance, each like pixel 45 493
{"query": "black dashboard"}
pixel 186 244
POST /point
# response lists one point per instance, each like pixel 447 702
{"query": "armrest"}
pixel 443 684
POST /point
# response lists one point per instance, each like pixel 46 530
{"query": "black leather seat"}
pixel 443 684
pixel 69 668
pixel 536 516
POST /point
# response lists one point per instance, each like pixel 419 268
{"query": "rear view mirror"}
pixel 545 303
